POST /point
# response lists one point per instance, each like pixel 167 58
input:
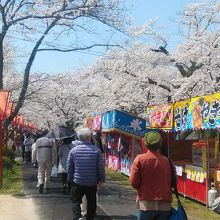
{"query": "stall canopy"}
pixel 123 122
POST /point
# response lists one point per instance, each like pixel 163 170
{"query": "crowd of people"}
pixel 80 162
pixel 68 155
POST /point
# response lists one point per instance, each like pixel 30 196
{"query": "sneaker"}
pixel 41 188
pixel 84 213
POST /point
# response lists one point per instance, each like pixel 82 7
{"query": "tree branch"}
pixel 79 48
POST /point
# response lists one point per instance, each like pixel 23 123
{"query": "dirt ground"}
pixel 17 208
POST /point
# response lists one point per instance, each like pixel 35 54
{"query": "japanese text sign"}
pixel 206 111
pixel 182 115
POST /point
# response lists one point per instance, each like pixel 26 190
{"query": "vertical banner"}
pixel 182 115
pixel 97 122
pixel 159 116
pixel 5 107
pixel 206 111
pixel 4 100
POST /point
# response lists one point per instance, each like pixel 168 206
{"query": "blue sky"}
pixel 141 11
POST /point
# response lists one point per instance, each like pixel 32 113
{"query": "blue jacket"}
pixel 85 165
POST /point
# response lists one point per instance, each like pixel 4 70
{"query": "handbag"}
pixel 60 168
pixel 54 171
pixel 179 213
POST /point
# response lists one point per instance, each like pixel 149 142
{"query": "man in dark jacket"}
pixel 85 167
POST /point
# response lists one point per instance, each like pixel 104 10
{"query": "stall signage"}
pixel 159 116
pixel 97 122
pixel 123 121
pixel 182 115
pixel 206 111
pixel 88 122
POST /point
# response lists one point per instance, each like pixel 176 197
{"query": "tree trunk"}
pixel 1 62
pixel 23 92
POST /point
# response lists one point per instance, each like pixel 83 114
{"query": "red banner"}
pixel 97 122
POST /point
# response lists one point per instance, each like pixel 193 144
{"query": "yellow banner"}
pixel 205 111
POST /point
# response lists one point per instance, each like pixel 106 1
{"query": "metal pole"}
pixel 207 170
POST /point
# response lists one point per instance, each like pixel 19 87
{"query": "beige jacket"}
pixel 44 150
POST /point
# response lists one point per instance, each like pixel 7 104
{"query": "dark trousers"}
pixel 77 192
pixel 64 178
pixel 28 156
pixel 23 152
pixel 153 215
pixel 65 182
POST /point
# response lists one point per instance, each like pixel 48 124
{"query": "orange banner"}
pixel 4 101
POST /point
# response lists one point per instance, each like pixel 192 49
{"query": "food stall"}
pixel 192 143
pixel 122 133
pixel 197 122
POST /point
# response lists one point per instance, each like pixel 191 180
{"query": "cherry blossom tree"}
pixel 197 58
pixel 54 26
pixel 130 79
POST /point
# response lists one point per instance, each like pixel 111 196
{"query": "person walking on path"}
pixel 151 177
pixel 28 142
pixel 44 152
pixel 63 152
pixel 85 167
pixel 97 141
